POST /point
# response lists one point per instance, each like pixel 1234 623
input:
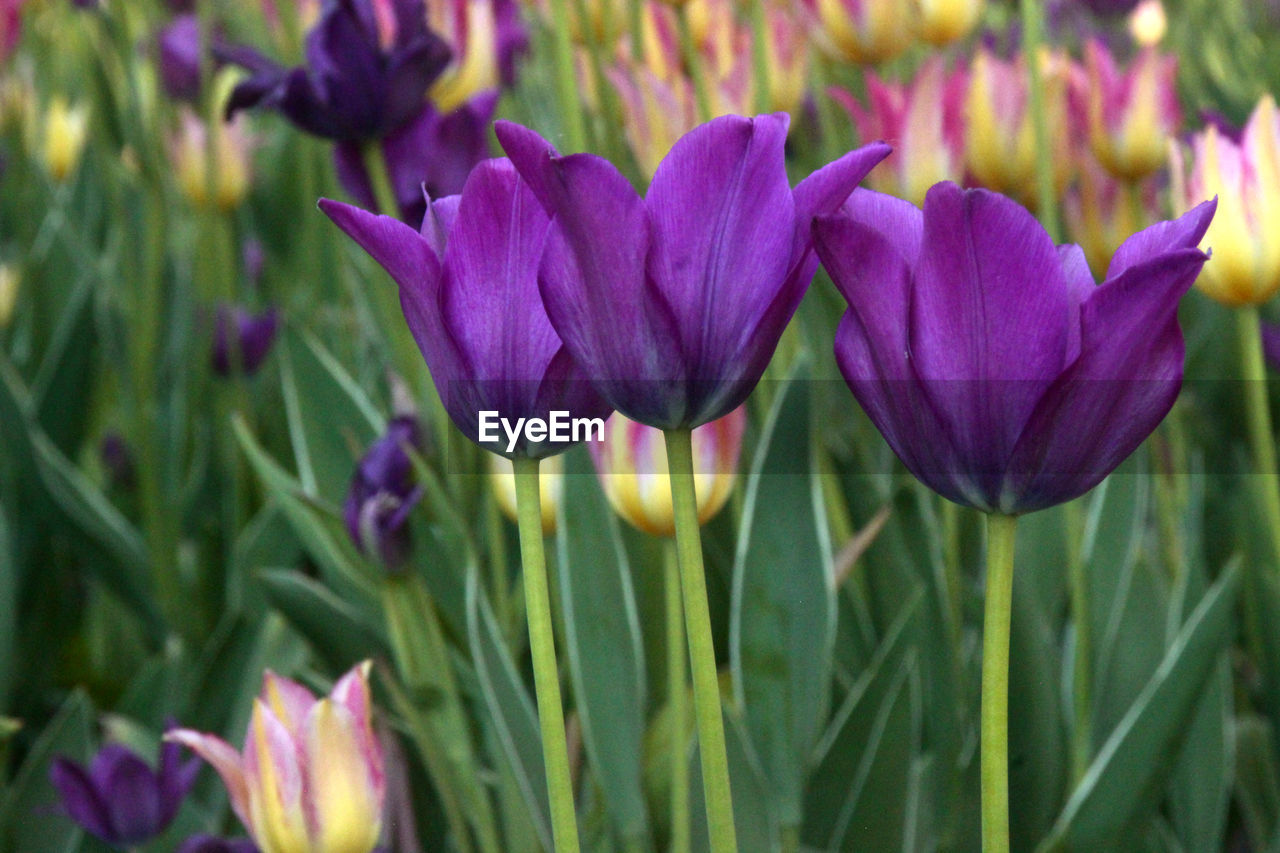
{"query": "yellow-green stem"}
pixel 1261 437
pixel 384 194
pixel 566 77
pixel 1082 669
pixel 1001 530
pixel 677 700
pixel 693 63
pixel 542 648
pixel 702 653
pixel 1032 18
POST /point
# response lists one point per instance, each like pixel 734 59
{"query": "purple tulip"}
pixel 383 492
pixel 469 289
pixel 178 46
pixel 673 303
pixel 118 798
pixel 369 64
pixel 999 373
pixel 433 152
pixel 255 333
pixel 213 844
pixel 1271 344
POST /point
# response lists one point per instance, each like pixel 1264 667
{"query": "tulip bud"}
pixel 942 22
pixel 178 49
pixel 9 282
pixel 1101 212
pixel 66 128
pixel 655 113
pixel 1245 269
pixel 253 337
pixel 1132 116
pixel 866 31
pixel 1148 23
pixel 632 465
pixel 311 773
pixel 999 136
pixel 232 155
pixel 474 68
pixel 383 492
pixel 502 476
pixel 923 122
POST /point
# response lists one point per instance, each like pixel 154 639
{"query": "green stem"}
pixel 1082 669
pixel 789 839
pixel 542 647
pixel 380 180
pixel 702 653
pixel 566 78
pixel 693 63
pixel 1261 438
pixel 677 700
pixel 1001 530
pixel 1031 39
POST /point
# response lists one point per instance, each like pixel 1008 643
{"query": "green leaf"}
pixel 515 722
pixel 783 613
pixel 8 611
pixel 28 818
pixel 1128 773
pixel 340 634
pixel 603 644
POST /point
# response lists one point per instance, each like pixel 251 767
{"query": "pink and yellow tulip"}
pixel 1132 114
pixel 310 778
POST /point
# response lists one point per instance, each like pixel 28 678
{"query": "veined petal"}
pixel 989 319
pixel 274 776
pixel 346 801
pixel 1123 384
pixel 825 190
pixel 224 759
pixel 722 219
pixel 1185 232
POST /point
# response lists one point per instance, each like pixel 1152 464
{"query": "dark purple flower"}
pixel 433 152
pixel 117 459
pixel 254 258
pixel 178 49
pixel 673 303
pixel 118 798
pixel 512 39
pixel 469 289
pixel 366 75
pixel 383 492
pixel 214 844
pixel 1271 344
pixel 999 373
pixel 254 335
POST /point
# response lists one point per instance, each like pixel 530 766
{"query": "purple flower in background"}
pixel 254 335
pixel 117 459
pixel 1271 344
pixel 469 288
pixel 673 303
pixel 434 152
pixel 999 373
pixel 383 492
pixel 369 64
pixel 214 844
pixel 178 49
pixel 119 798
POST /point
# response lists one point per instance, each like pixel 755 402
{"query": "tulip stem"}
pixel 702 652
pixel 1001 530
pixel 693 63
pixel 1031 39
pixel 542 648
pixel 384 194
pixel 1261 436
pixel 677 701
pixel 575 128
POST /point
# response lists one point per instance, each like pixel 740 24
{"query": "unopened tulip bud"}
pixel 1148 23
pixel 232 155
pixel 383 493
pixel 632 465
pixel 242 340
pixel 1245 269
pixel 502 476
pixel 1134 114
pixel 866 31
pixel 66 129
pixel 942 22
pixel 311 774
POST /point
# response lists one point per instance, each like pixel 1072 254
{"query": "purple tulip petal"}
pixel 990 313
pixel 824 191
pixel 80 797
pixel 1185 232
pixel 134 806
pixel 592 277
pixel 1125 381
pixel 899 222
pixel 722 219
